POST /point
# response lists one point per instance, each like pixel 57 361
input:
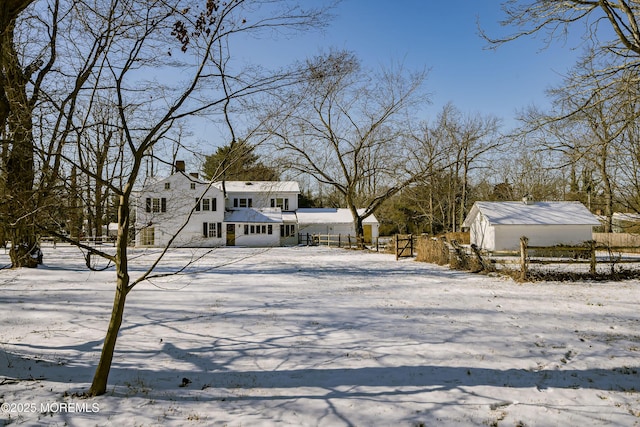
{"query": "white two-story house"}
pixel 183 211
pixel 180 210
pixel 260 213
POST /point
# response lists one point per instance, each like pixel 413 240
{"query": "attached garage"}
pixel 334 221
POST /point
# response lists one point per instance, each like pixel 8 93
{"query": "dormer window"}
pixel 243 203
pixel 281 203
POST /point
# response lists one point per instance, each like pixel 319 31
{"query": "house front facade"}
pixel 184 211
pixel 498 226
pixel 180 211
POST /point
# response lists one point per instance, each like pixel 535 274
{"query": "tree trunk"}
pixel 608 191
pixel 357 222
pixel 19 204
pixel 101 376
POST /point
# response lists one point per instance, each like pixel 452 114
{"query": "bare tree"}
pixel 20 83
pixel 599 94
pixel 556 19
pixel 347 129
pixel 124 57
pixel 472 140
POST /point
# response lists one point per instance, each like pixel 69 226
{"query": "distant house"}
pixel 335 221
pixel 233 213
pixel 625 223
pixel 496 226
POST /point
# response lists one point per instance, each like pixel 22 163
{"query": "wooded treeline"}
pixel 351 135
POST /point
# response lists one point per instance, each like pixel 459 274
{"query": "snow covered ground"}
pixel 316 336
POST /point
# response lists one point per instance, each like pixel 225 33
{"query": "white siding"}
pixel 508 237
pixel 482 234
pixel 257 239
pixel 262 194
pixel 177 196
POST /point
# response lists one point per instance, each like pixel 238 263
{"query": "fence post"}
pixel 397 247
pixel 411 244
pixel 592 247
pixel 523 258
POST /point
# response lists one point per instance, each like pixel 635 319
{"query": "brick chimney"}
pixel 180 167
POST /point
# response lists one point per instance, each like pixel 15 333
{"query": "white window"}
pixel 205 204
pixel 156 205
pixel 258 229
pixel 281 203
pixel 147 236
pixel 212 229
pixel 243 203
pixel 287 230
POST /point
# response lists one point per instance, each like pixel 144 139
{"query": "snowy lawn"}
pixel 316 336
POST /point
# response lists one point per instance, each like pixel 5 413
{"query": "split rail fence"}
pixel 469 257
pixel 590 252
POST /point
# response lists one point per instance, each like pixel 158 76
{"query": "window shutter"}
pixel 214 204
pixel 219 229
pixel 163 204
pixel 205 229
pixel 148 204
pixel 197 205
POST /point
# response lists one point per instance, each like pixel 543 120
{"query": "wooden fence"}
pixel 626 240
pixel 404 245
pixel 587 253
pixel 381 244
pixel 468 257
pixel 331 240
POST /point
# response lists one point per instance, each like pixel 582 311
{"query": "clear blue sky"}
pixel 441 36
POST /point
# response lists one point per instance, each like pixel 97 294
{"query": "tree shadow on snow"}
pixel 339 382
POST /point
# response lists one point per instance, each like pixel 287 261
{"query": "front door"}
pixel 367 233
pixel 231 234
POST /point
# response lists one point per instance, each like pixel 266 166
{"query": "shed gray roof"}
pixel 538 213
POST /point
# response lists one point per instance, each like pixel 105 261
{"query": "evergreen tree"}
pixel 237 162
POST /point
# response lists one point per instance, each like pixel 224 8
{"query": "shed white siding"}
pixel 497 226
pixel 507 237
pixel 482 234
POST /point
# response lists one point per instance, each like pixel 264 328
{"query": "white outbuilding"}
pixel 334 221
pixel 498 226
